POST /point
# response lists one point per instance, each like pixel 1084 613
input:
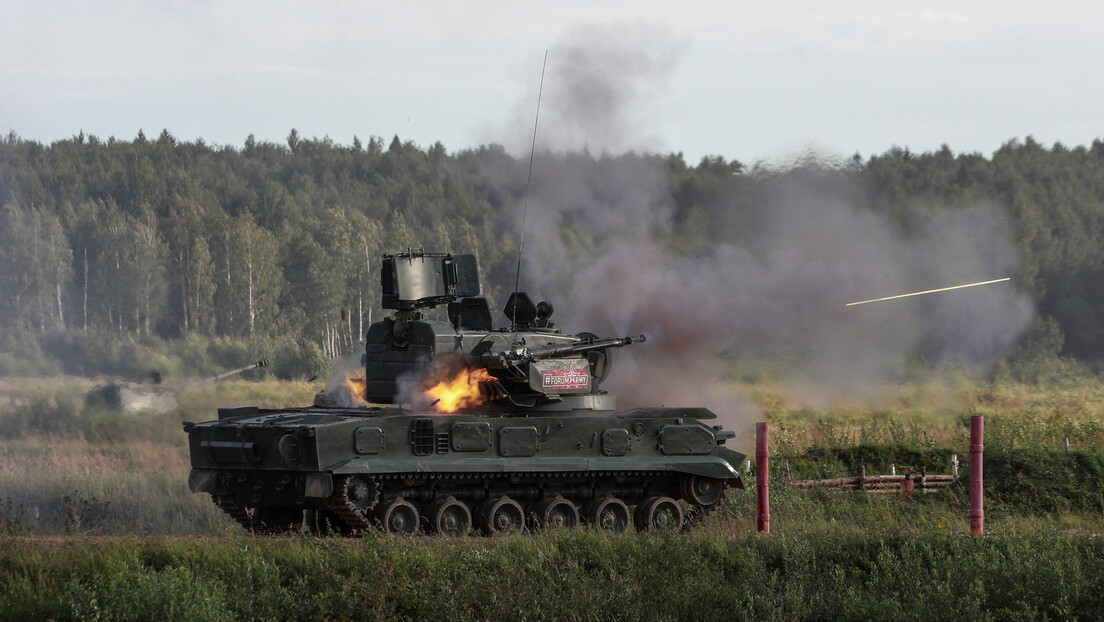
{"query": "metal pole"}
pixel 977 488
pixel 762 475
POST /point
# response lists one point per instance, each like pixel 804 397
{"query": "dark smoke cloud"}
pixel 768 280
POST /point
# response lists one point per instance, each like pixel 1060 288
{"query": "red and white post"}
pixel 977 487
pixel 762 475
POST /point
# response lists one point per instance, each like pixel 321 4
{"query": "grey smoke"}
pixel 776 293
pixel 597 77
pixel 769 277
pixel 337 385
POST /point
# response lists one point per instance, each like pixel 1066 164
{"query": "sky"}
pixel 748 81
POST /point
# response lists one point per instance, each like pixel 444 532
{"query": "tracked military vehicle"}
pixel 465 426
pixel 149 395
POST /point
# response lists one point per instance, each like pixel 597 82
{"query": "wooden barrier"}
pixel 878 483
pixel 904 485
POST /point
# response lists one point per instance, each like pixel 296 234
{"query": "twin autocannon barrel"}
pixel 552 351
pixel 526 354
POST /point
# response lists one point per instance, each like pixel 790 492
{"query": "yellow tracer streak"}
pixel 930 291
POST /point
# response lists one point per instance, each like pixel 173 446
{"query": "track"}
pixel 354 503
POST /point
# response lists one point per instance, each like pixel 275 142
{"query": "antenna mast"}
pixel 528 180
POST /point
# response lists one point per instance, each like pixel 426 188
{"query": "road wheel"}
pixel 501 515
pixel 702 490
pixel 450 517
pixel 555 512
pixel 607 513
pixel 398 517
pixel 658 514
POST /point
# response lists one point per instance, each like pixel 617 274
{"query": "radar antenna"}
pixel 525 202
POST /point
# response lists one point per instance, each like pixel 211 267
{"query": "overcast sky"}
pixel 745 80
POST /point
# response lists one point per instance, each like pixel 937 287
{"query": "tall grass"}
pixel 58 485
pixel 580 574
pixel 70 468
pixel 922 416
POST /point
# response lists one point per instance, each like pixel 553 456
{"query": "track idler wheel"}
pixel 501 515
pixel 702 490
pixel 450 517
pixel 398 517
pixel 609 514
pixel 555 512
pixel 658 514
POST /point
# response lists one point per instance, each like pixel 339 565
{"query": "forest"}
pixel 117 256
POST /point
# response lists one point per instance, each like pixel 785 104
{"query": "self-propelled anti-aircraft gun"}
pixel 466 426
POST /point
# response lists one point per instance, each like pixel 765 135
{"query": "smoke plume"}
pixel 595 83
pixel 763 274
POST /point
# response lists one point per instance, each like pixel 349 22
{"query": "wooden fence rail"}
pixel 879 483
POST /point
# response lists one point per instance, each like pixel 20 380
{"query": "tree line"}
pixel 275 247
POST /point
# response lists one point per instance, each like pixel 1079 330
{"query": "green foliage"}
pixel 26 361
pixel 1042 482
pixel 128 357
pixel 569 575
pixel 107 352
pixel 44 412
pixel 35 267
pixel 39 411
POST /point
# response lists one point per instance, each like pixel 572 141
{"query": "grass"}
pixel 149 548
pixel 930 416
pixel 68 468
pixel 65 485
pixel 1031 574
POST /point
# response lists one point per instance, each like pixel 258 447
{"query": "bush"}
pixel 1043 482
pixel 289 359
pixel 226 354
pixel 193 353
pixel 108 353
pixel 39 412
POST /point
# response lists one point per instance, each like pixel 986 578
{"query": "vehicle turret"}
pixel 527 361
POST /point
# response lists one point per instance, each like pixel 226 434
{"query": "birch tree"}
pixel 254 279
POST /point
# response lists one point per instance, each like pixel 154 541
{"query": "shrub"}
pixel 102 352
pixel 1044 482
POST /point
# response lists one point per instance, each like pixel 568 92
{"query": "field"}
pixel 96 523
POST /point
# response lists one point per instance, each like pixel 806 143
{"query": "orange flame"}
pixel 458 389
pixel 357 387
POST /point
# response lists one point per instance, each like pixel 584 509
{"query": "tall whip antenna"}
pixel 525 202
